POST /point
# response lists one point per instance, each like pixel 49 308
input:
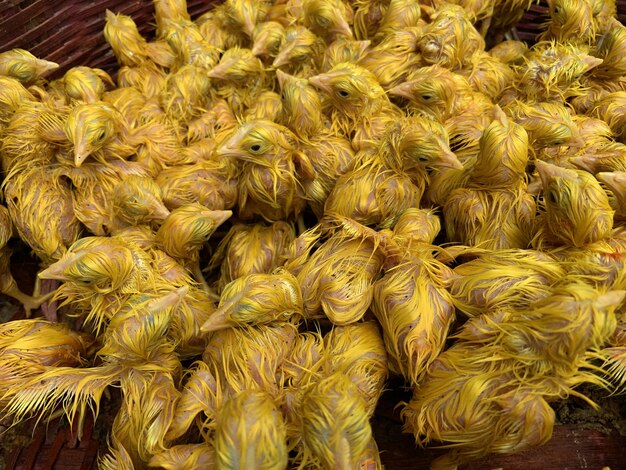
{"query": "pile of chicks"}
pixel 278 205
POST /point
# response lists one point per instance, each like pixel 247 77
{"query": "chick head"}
pixel 503 153
pixel 611 48
pixel 98 263
pixel 570 21
pixel 187 228
pixel 352 89
pixel 128 45
pixel 267 39
pixel 237 65
pixel 89 127
pixel 431 91
pixel 577 208
pixel 423 142
pixel 245 14
pixel 138 200
pixel 23 66
pixel 616 182
pixel 12 95
pixel 326 18
pixel 343 50
pixel 85 84
pixel 258 141
pixel 302 106
pixel 421 225
pixel 299 46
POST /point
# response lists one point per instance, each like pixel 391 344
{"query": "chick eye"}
pixel 255 148
pixel 100 135
pixel 426 97
pixel 552 197
pixel 422 159
pixel 343 93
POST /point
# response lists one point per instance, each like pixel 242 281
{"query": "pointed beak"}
pixel 450 160
pixel 80 153
pixel 282 58
pixel 584 162
pixel 217 321
pixel 321 82
pixel 159 212
pixel 342 27
pixel 218 217
pixel 548 171
pixel 57 270
pixel 45 66
pixel 228 150
pixel 615 180
pixel 283 78
pixel 219 71
pixel 169 300
pixel 404 90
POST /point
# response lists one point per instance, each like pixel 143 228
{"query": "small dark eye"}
pixel 101 135
pixel 422 159
pixel 426 97
pixel 552 197
pixel 343 93
pixel 255 147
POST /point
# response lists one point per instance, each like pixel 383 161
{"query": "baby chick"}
pixel 271 167
pixel 84 84
pixel 267 39
pixel 342 50
pixel 300 52
pixel 577 209
pixel 185 231
pixel 25 67
pixel 359 107
pixel 570 22
pixel 329 19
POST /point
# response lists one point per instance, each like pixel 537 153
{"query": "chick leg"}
pixel 197 274
pixel 9 287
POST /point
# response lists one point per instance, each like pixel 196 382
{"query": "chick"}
pixel 394 57
pixel 251 432
pixel 12 95
pixel 570 21
pixel 609 47
pixel 245 14
pixel 271 167
pixel 450 39
pixel 611 110
pixel 509 51
pixel 185 93
pixel 399 15
pixel 577 209
pixel 252 249
pixel 84 84
pixel 447 97
pixel 97 130
pixel 373 194
pixel 25 67
pixel 128 45
pixel 330 155
pixel 184 232
pixel 267 39
pixel 328 19
pixel 239 78
pixel 494 209
pixel 488 75
pixel 268 106
pixel 359 107
pixel 168 11
pixel 367 17
pixel 300 52
pixel 616 182
pixel 184 456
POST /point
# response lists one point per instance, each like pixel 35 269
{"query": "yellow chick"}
pixel 616 182
pixel 570 21
pixel 184 456
pixel 271 170
pixel 267 39
pixel 367 17
pixel 329 19
pixel 12 95
pixel 84 84
pixel 359 106
pixel 248 301
pixel 25 67
pixel 128 45
pixel 251 432
pixel 252 249
pixel 300 52
pixel 245 14
pixel 394 57
pixel 185 231
pixel 577 209
pixel 342 50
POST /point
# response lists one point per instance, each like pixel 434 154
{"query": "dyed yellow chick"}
pixel 494 209
pixel 184 456
pixel 450 39
pixel 12 95
pixel 128 45
pixel 251 249
pixel 343 50
pixel 570 21
pixel 271 170
pixel 239 78
pixel 251 433
pixel 330 155
pixel 447 97
pixel 611 110
pixel 245 14
pixel 393 58
pixel 300 52
pixel 329 19
pixel 609 47
pixel 97 130
pixel 185 231
pixel 267 39
pixel 25 67
pixel 84 85
pixel 358 106
pixel 257 298
pixel 616 182
pixel 577 209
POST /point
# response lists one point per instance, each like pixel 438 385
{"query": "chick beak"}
pixel 45 66
pixel 321 82
pixel 159 211
pixel 57 270
pixel 218 217
pixel 229 149
pixel 219 71
pixel 282 58
pixel 80 153
pixel 403 90
pixel 217 321
pixel 610 299
pixel 548 171
pixel 169 300
pixel 342 27
pixel 614 180
pixel 248 26
pixel 283 78
pixel 583 162
pixel 450 160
